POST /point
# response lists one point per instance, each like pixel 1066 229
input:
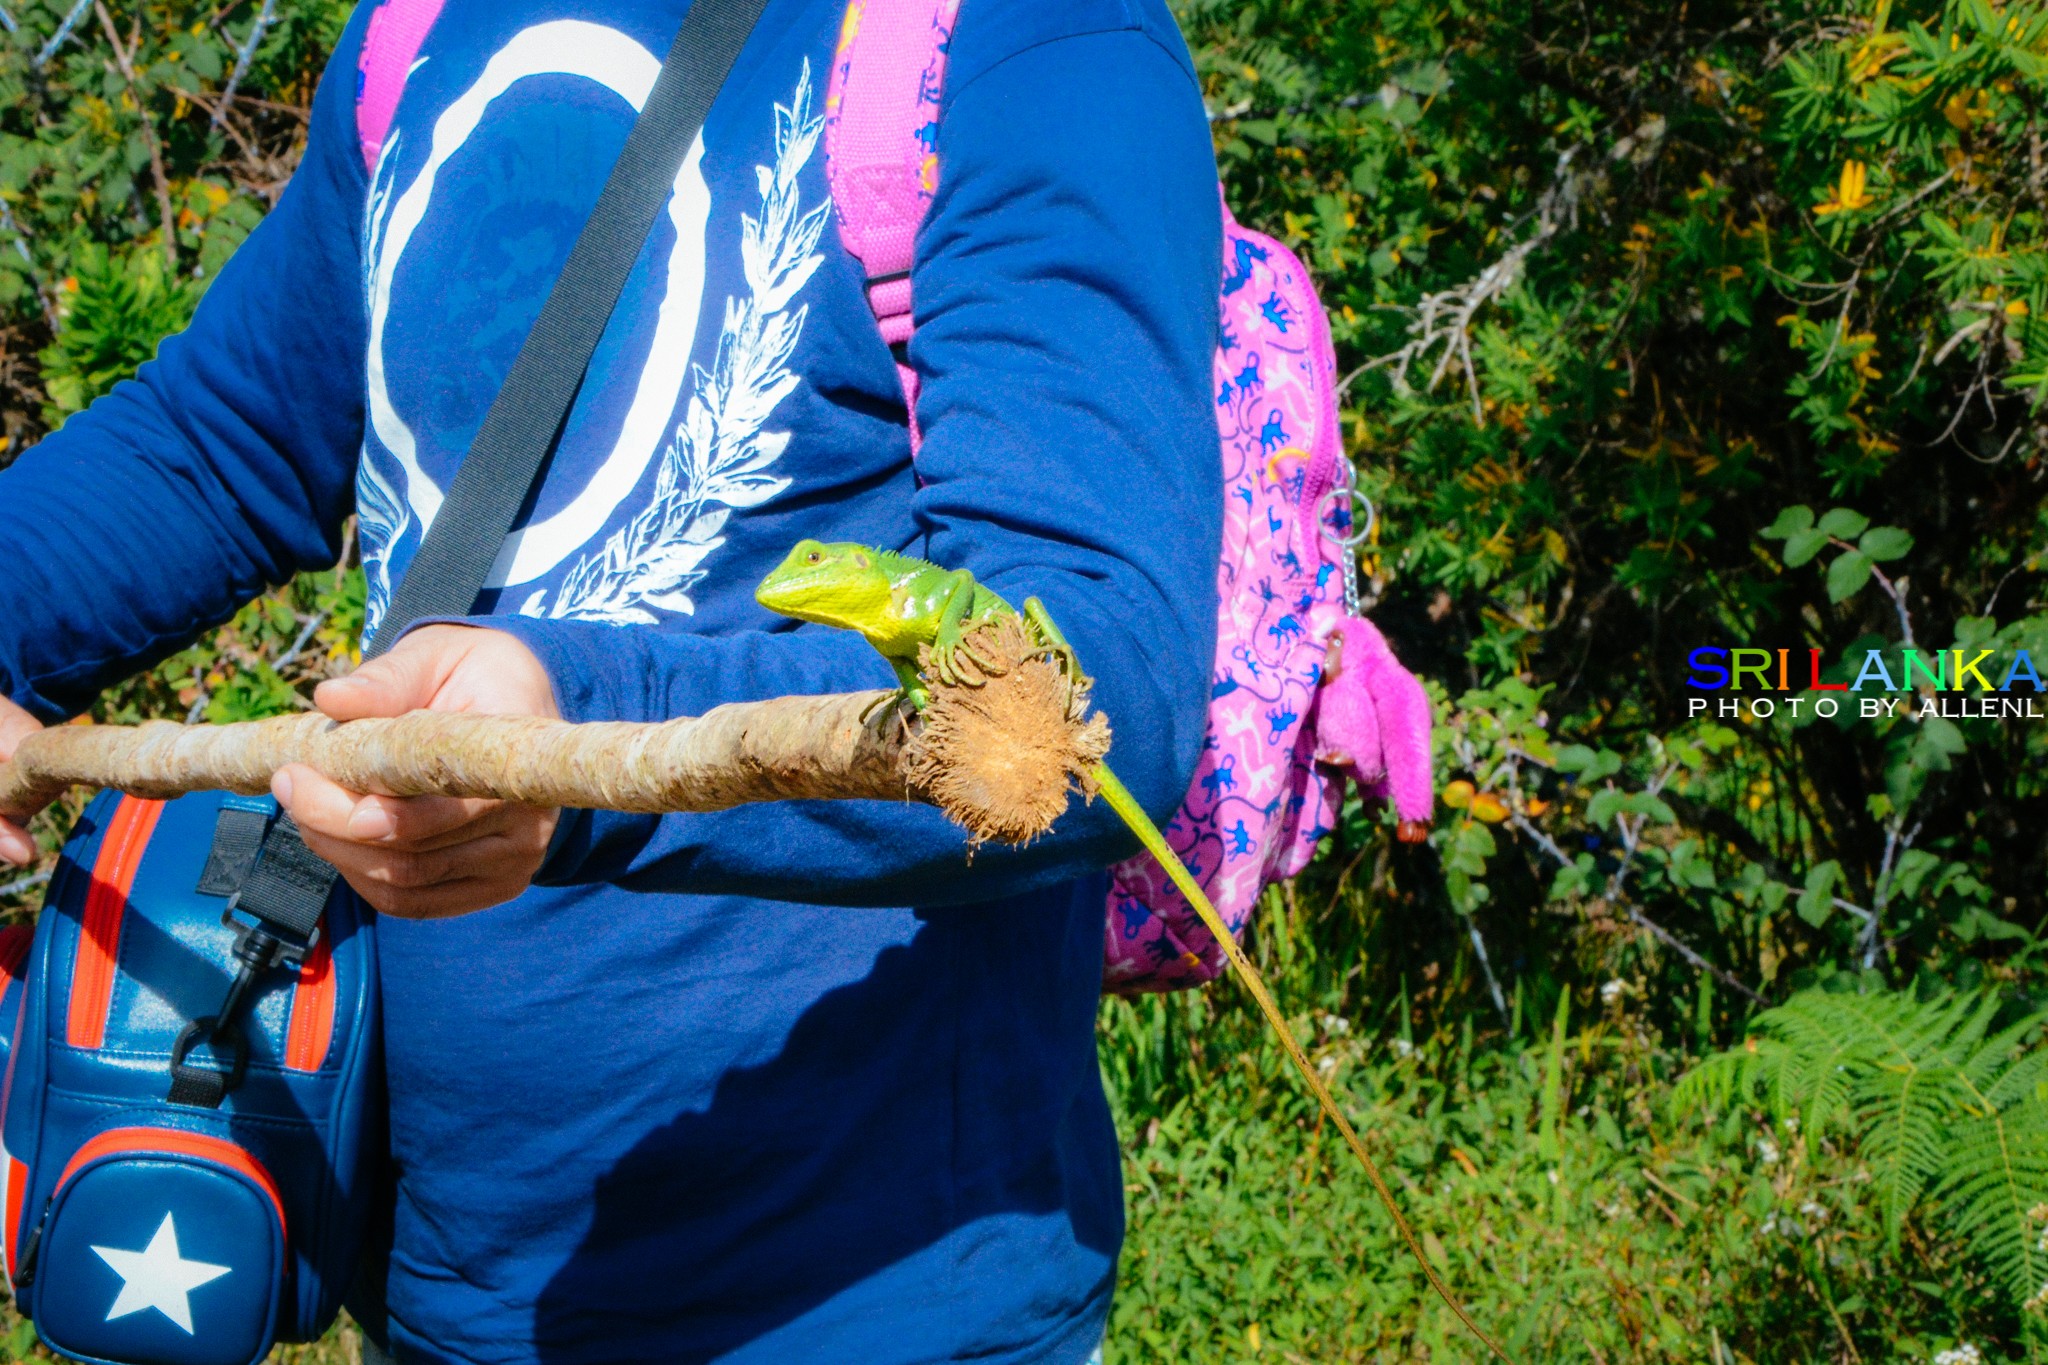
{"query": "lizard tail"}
pixel 1124 804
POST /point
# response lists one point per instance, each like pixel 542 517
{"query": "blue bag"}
pixel 192 1069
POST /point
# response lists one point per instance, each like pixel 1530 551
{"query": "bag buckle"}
pixel 276 917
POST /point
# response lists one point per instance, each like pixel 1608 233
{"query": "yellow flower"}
pixel 1849 194
pixel 1965 108
pixel 1488 808
pixel 1877 52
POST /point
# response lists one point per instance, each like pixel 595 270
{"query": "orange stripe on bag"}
pixel 172 1142
pixel 312 1029
pixel 17 1191
pixel 106 900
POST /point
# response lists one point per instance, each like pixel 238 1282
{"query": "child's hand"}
pixel 428 857
pixel 15 845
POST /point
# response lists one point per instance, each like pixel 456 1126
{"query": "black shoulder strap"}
pixel 526 418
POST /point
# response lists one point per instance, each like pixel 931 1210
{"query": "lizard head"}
pixel 834 585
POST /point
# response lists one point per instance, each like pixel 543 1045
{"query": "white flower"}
pixel 1767 1151
pixel 1817 1212
pixel 1613 991
pixel 1785 1224
pixel 1403 1048
pixel 1965 1354
pixel 1552 1173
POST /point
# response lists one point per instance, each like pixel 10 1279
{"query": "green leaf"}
pixel 1643 803
pixel 1844 523
pixel 1572 757
pixel 1943 735
pixel 1817 901
pixel 1802 546
pixel 1886 542
pixel 1847 575
pixel 1790 522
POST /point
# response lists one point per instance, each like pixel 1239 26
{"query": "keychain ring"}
pixel 1359 534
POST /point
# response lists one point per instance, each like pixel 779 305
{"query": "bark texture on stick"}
pixel 998 758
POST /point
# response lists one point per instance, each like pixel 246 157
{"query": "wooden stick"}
pixel 1000 754
pixel 790 748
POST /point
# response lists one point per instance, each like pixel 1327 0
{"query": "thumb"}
pixel 404 680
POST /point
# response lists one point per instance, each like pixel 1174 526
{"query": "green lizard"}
pixel 899 604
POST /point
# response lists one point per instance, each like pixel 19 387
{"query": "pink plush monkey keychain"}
pixel 1372 724
pixel 1373 718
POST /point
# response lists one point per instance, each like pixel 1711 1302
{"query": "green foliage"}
pixel 116 309
pixel 1668 328
pixel 1580 1213
pixel 129 172
pixel 1945 1094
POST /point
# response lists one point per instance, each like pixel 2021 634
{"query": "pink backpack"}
pixel 1286 724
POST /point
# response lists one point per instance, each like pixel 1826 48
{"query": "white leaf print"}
pixel 721 449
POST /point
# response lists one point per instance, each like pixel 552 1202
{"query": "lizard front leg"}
pixel 949 636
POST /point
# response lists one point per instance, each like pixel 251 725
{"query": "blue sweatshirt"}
pixel 792 1082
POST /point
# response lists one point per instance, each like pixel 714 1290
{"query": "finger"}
pixel 423 822
pixel 396 868
pixel 404 680
pixel 15 845
pixel 415 884
pixel 316 803
pixel 513 852
pixel 502 819
pixel 321 806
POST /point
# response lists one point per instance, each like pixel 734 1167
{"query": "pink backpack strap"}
pixel 881 124
pixel 390 43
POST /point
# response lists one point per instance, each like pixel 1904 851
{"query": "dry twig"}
pixel 1442 322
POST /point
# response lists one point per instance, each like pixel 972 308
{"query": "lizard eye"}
pixel 813 557
pixel 860 561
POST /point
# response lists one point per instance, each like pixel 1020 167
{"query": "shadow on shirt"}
pixel 931 1170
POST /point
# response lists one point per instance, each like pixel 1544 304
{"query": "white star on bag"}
pixel 158 1277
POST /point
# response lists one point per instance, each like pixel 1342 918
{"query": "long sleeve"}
pixel 225 466
pixel 1065 287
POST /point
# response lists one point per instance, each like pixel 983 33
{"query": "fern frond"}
pixel 1999 1071
pixel 1934 1100
pixel 1998 1175
pixel 1717 1084
pixel 1902 1112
